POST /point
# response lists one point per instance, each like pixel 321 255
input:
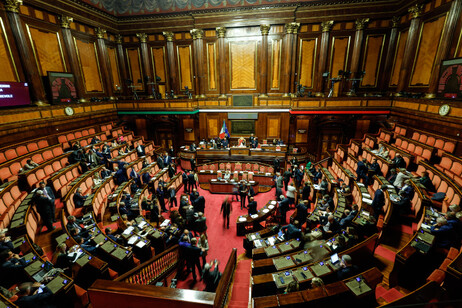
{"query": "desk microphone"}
pixel 358 279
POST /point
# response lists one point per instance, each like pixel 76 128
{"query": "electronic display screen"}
pixel 14 94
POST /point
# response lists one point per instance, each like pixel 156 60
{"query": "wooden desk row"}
pixel 246 222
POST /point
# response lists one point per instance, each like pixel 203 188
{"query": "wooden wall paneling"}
pixel 104 62
pixel 47 49
pixel 222 61
pixel 307 61
pixel 410 47
pixel 285 127
pixel 185 67
pixel 122 64
pixel 263 61
pixel 200 72
pixel 114 68
pixel 135 70
pixel 301 133
pixel 372 59
pixel 321 87
pixel 89 65
pixel 172 67
pixel 273 127
pixel 262 126
pixel 211 51
pixel 141 127
pixel 339 58
pixel 444 50
pixel 398 58
pixel 243 65
pixel 276 51
pixel 159 64
pixel 213 126
pixel 429 42
pixel 147 75
pixel 362 127
pixel 8 68
pixel 189 124
pixel 25 54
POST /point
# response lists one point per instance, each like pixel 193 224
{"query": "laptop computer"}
pixel 46 267
pixel 335 260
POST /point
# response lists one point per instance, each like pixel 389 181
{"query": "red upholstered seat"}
pixel 112 274
pixel 437 276
pixel 452 254
pixel 82 297
pixel 445 264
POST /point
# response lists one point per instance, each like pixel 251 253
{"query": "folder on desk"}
pixel 358 286
pixel 285 247
pixel 57 284
pixel 426 237
pixel 283 262
pixel 33 268
pixel 120 253
pixel 271 251
pixel 422 246
pixel 302 274
pixel 99 238
pixel 84 259
pixel 108 247
pixel 320 269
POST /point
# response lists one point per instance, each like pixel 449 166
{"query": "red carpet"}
pixel 386 253
pixel 222 240
pixel 241 286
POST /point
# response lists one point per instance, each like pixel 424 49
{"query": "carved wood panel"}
pixel 7 66
pixel 188 124
pixel 134 67
pixel 213 127
pixel 339 56
pixel 112 54
pixel 273 127
pixel 184 66
pixel 276 48
pixel 301 135
pixel 372 59
pixel 398 57
pixel 243 65
pixel 428 46
pixel 307 61
pixel 47 49
pixel 211 66
pixel 89 66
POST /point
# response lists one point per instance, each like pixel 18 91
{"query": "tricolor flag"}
pixel 224 131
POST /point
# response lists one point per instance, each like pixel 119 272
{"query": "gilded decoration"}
pixel 168 36
pixel 197 33
pixel 221 32
pixel 100 32
pixel 66 21
pixel 12 5
pixel 361 23
pixel 327 25
pixel 143 37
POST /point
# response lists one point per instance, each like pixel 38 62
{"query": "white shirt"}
pixel 291 191
pixel 400 178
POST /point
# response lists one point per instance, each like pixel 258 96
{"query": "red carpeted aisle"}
pixel 222 241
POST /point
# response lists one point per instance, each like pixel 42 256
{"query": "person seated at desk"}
pixel 5 242
pixel 252 206
pixel 29 296
pixel 87 245
pixel 11 268
pixel 408 189
pixel 445 235
pixel 331 227
pixel 61 259
pixel 192 147
pixel 29 165
pixel 105 173
pixel 74 223
pixel 398 161
pixel 293 286
pixel 426 182
pixel 375 168
pixel 115 237
pixel 241 142
pixel 349 216
pixel 123 209
pixel 347 269
pixel 456 224
pixel 400 178
pixel 292 231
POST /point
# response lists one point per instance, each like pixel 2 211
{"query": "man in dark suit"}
pixel 379 201
pixel 5 242
pixel 302 212
pixel 445 235
pixel 398 161
pixel 193 195
pixel 250 191
pixel 292 231
pixel 140 150
pixel 121 175
pixel 276 165
pixel 184 177
pixel 171 192
pixel 74 223
pixel 193 254
pixel 199 204
pixel 78 198
pixel 48 193
pixel 167 159
pixel 375 167
pixel 287 175
pixel 361 172
pixel 43 206
pixel 298 177
pixel 349 216
pixel 29 298
pixel 284 207
pixel 161 197
pixel 160 161
pixel 243 193
pixel 226 210
pixel 403 206
pixel 145 178
pixel 105 173
pixel 135 176
pixel 347 269
pixel 252 206
pixel 306 191
pixel 211 278
pixel 192 180
pixel 425 181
